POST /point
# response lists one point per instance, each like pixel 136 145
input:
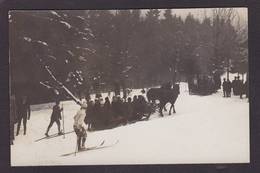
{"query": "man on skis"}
pixel 80 127
pixel 55 117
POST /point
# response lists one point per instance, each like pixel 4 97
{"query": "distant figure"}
pixel 129 108
pixel 124 94
pixel 55 117
pixel 107 111
pixel 113 107
pixel 24 112
pixel 217 81
pixel 89 114
pixel 240 87
pixel 98 95
pixel 107 103
pixel 117 88
pixel 134 107
pixel 128 91
pixel 224 86
pixel 246 88
pixel 235 86
pixel 13 117
pixel 141 107
pixel 229 86
pixel 97 117
pixel 80 127
pixel 87 96
pixel 143 91
pixel 120 108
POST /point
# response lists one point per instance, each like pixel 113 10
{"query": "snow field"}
pixel 205 129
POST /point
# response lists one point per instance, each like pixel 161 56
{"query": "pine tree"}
pixel 58 40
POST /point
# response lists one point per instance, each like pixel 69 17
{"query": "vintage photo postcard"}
pixel 136 86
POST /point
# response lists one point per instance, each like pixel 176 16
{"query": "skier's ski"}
pixel 53 136
pixel 100 146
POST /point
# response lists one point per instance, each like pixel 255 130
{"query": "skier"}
pixel 23 110
pixel 55 117
pixel 80 127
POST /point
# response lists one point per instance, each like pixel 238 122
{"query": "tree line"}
pixel 105 49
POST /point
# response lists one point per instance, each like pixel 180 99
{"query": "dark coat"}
pixel 117 108
pixel 13 116
pixel 56 112
pixel 89 114
pixel 23 109
pixel 128 109
pixel 229 86
pixel 224 85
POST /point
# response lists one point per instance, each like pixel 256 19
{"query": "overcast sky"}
pixel 200 12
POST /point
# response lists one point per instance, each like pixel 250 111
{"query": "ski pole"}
pixel 63 122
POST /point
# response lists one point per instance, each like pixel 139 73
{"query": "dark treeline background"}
pixel 97 50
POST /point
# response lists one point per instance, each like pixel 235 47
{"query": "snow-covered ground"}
pixel 205 129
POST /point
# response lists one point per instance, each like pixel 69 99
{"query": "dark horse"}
pixel 164 96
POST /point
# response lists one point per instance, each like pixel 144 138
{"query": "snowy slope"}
pixel 205 129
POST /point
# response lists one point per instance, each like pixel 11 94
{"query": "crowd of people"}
pixel 101 115
pixel 97 115
pixel 239 87
pixel 204 84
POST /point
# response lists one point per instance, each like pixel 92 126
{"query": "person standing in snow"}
pixel 224 86
pixel 246 88
pixel 107 111
pixel 129 108
pixel 240 89
pixel 80 127
pixel 97 111
pixel 87 97
pixel 234 86
pixel 13 117
pixel 89 115
pixel 23 110
pixel 55 117
pixel 229 87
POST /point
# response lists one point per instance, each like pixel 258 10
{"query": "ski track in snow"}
pixel 205 129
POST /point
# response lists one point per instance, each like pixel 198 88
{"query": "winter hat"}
pixel 84 105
